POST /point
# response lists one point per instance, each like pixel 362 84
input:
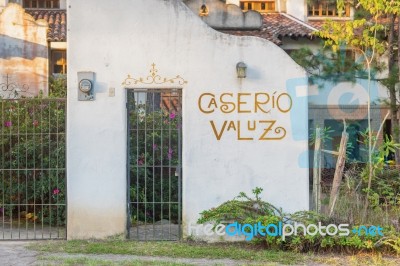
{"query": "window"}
pixel 271 6
pixel 41 4
pixel 355 146
pixel 58 62
pixel 260 6
pixel 318 8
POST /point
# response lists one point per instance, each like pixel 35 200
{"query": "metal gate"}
pixel 32 169
pixel 154 164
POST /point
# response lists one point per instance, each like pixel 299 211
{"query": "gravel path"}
pixel 14 253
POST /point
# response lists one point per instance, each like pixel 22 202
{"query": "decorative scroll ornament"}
pixel 12 90
pixel 153 78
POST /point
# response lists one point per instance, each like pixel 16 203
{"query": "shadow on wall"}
pixel 12 47
pixel 23 68
pixel 226 17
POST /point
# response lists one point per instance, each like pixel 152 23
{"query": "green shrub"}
pixel 32 159
pixel 246 210
pixel 58 86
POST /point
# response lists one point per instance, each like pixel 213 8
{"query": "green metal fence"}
pixel 32 169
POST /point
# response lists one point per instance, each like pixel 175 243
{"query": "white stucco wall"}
pixel 126 38
pixel 297 8
pixel 233 2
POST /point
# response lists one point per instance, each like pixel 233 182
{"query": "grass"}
pixel 54 260
pixel 234 251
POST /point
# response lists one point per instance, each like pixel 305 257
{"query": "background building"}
pixel 32 45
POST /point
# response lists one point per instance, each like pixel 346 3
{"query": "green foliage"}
pixel 244 209
pixel 359 35
pixel 393 242
pixel 32 156
pixel 241 209
pixel 334 66
pixel 325 135
pixel 58 86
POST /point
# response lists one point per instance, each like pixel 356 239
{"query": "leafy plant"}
pixel 240 209
pixel 32 159
pixel 252 210
pixel 394 243
pixel 58 86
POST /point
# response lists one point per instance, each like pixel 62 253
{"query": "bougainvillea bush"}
pixel 32 160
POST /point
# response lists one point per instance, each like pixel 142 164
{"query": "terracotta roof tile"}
pixel 276 26
pixel 57 20
pixel 316 23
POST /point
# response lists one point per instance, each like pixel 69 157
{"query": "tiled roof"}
pixel 316 23
pixel 276 26
pixel 57 20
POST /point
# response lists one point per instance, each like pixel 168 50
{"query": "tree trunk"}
pixel 392 88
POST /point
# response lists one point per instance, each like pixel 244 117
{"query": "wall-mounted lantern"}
pixel 203 10
pixel 241 69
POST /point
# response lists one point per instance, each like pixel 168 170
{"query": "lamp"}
pixel 241 70
pixel 203 11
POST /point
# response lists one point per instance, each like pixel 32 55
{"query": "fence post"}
pixel 317 171
pixel 337 179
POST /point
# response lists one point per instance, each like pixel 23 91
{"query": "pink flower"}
pixel 140 162
pixel 170 151
pixel 154 146
pixel 56 191
pixel 8 124
pixel 35 123
pixel 172 115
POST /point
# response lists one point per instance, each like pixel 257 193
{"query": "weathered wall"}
pixel 23 49
pixel 131 35
pixel 223 16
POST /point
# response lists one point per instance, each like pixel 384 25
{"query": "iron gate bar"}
pixel 146 179
pixel 24 165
